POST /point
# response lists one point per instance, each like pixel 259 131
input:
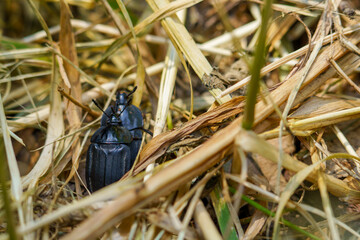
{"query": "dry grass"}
pixel 202 175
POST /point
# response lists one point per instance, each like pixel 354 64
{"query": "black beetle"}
pixel 109 155
pixel 131 118
pixel 115 145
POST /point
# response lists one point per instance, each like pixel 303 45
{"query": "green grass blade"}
pixel 10 221
pixel 272 214
pixel 223 216
pixel 258 63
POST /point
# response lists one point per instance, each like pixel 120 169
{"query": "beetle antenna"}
pixel 127 104
pixel 132 92
pixel 96 104
pixel 113 110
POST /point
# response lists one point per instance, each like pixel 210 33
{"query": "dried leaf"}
pixel 316 106
pixel 68 49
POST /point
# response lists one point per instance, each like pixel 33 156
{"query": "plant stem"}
pixel 258 63
pixel 10 221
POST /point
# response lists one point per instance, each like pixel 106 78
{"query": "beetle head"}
pixel 114 120
pixel 122 98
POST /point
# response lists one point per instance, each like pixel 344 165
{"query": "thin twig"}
pixel 73 100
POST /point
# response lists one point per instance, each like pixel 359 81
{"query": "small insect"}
pixel 115 145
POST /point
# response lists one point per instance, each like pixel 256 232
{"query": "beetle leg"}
pixel 143 129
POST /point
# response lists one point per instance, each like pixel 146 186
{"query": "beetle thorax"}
pixel 121 99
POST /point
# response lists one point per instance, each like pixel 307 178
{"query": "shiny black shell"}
pixel 131 118
pixel 109 155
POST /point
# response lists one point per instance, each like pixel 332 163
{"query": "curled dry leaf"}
pixel 159 144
